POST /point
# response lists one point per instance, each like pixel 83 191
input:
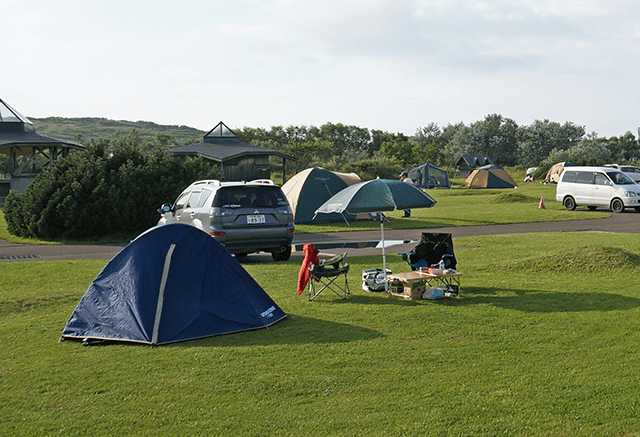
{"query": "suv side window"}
pixel 584 177
pixel 203 197
pixel 601 179
pixel 181 202
pixel 193 199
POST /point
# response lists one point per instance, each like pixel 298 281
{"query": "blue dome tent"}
pixel 429 176
pixel 172 283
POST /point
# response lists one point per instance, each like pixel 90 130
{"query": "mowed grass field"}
pixel 542 341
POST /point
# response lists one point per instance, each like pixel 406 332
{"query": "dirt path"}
pixel 354 243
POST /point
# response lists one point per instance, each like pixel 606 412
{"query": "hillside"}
pixel 90 128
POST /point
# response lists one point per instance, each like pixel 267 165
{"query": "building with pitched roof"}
pixel 468 163
pixel 238 161
pixel 26 152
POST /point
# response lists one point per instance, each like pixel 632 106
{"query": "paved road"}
pixel 355 243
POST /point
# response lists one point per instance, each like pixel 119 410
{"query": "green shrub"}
pixel 94 193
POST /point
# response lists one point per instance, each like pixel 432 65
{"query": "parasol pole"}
pixel 384 257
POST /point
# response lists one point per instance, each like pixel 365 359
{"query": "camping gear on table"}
pixel 172 283
pixel 325 272
pixel 376 196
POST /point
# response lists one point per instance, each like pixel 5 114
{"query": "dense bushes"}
pixel 94 193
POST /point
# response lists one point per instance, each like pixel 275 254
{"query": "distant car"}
pixel 630 170
pixel 597 187
pixel 246 217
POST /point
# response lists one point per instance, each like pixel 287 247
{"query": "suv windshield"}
pixel 620 178
pixel 250 197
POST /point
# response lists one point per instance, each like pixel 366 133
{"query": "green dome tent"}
pixel 310 188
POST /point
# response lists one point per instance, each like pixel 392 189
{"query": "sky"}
pixel 390 65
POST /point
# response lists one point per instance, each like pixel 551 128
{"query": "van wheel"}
pixel 617 205
pixel 569 203
pixel 282 256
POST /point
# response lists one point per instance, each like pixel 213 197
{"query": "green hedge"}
pixel 96 193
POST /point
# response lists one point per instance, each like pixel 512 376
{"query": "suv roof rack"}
pixel 206 182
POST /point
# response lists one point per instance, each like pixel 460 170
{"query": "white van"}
pixel 597 187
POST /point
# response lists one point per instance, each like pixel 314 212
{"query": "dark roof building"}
pixel 238 161
pixel 28 153
pixel 467 163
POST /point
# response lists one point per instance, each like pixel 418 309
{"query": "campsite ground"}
pixel 542 341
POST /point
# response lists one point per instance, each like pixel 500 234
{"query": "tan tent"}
pixel 553 175
pixel 310 188
pixel 489 176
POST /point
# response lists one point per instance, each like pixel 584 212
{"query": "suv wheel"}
pixel 617 205
pixel 282 256
pixel 569 203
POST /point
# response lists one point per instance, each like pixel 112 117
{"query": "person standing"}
pixel 404 177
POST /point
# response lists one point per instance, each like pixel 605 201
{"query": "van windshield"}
pixel 620 178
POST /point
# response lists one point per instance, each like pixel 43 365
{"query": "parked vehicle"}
pixel 246 217
pixel 630 170
pixel 597 187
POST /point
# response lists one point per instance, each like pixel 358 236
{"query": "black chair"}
pixel 327 275
pixel 431 249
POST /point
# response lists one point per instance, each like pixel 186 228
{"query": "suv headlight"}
pixel 630 193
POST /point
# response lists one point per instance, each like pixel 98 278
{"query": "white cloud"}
pixel 382 64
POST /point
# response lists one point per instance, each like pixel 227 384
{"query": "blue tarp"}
pixel 172 283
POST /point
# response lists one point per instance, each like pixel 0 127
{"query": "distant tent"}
pixel 310 188
pixel 172 283
pixel 429 176
pixel 553 175
pixel 490 176
pixel 467 163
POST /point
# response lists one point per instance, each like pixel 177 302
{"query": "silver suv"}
pixel 246 217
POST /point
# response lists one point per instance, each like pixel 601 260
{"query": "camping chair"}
pixel 431 249
pixel 327 275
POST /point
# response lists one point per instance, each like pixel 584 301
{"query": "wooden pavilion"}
pixel 238 161
pixel 27 153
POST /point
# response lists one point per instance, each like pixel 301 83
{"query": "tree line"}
pixel 115 185
pixel 372 153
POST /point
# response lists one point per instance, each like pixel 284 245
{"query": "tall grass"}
pixel 542 341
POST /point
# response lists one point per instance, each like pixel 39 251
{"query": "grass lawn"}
pixel 466 207
pixel 542 341
pixel 454 207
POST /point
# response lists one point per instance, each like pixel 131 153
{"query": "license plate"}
pixel 255 219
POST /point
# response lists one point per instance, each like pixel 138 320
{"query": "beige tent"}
pixel 310 188
pixel 490 176
pixel 553 175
